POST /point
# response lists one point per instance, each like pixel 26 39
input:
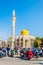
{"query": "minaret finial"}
pixel 14 13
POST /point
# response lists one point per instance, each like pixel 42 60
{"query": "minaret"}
pixel 13 28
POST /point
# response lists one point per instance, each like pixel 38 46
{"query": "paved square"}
pixel 18 61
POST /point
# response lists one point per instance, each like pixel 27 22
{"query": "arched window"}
pixel 21 39
pixel 17 40
pixel 21 44
pixel 18 44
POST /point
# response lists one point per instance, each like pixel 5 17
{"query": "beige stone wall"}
pixel 27 44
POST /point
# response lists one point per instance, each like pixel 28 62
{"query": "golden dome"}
pixel 24 32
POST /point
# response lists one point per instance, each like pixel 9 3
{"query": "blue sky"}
pixel 29 15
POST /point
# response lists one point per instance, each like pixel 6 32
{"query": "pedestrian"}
pixel 8 50
pixel 16 49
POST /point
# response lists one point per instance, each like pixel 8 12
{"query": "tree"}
pixel 36 42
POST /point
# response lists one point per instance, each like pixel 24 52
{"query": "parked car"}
pixel 40 52
pixel 29 54
pixel 37 52
pixel 22 50
pixel 2 53
pixel 26 53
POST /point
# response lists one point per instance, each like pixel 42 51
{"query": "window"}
pixel 17 40
pixel 18 44
pixel 26 41
pixel 21 39
pixel 21 44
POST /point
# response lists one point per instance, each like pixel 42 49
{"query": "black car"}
pixel 2 53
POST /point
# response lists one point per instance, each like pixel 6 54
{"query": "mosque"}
pixel 24 39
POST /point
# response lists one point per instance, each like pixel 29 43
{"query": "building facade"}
pixel 24 40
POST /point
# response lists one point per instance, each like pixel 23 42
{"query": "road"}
pixel 18 61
